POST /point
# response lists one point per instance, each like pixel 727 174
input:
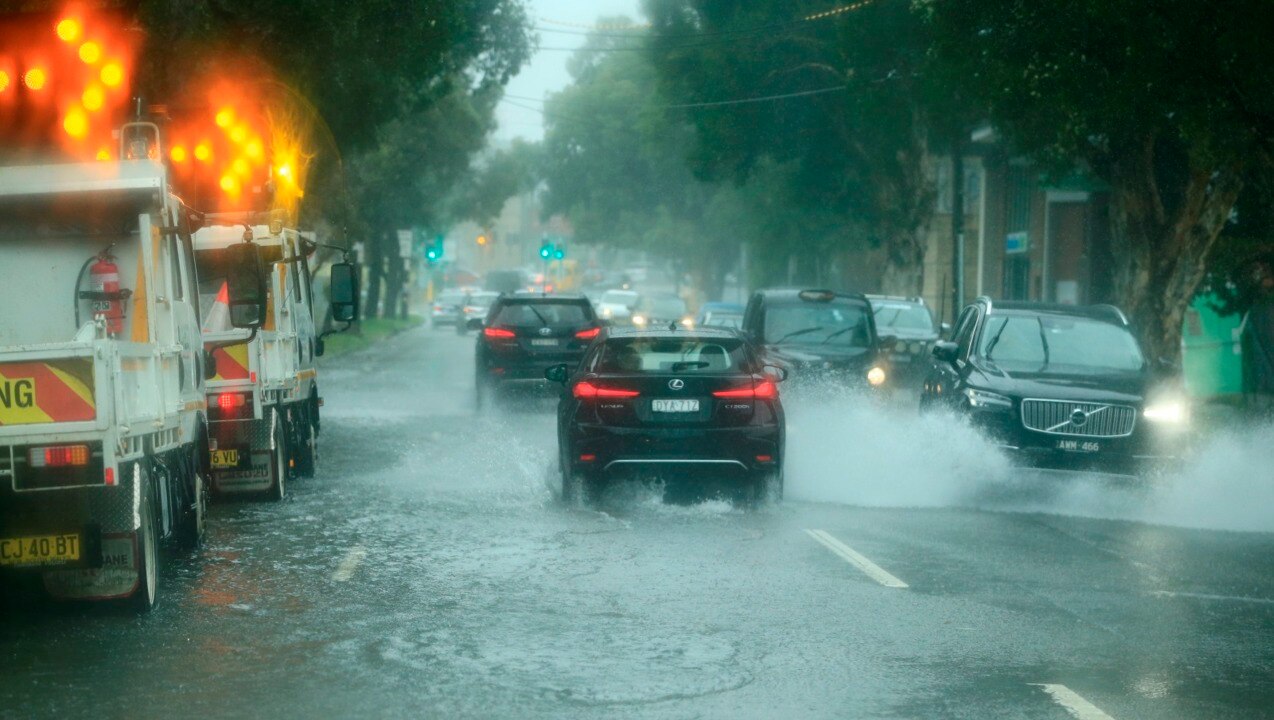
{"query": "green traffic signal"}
pixel 559 254
pixel 546 250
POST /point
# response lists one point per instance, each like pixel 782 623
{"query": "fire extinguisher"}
pixel 105 297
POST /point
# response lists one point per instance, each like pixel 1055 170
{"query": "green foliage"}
pixel 482 193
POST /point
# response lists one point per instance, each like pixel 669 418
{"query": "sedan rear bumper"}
pixel 747 449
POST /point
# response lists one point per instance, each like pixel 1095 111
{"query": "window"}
pixel 672 355
pixel 902 316
pixel 541 314
pixel 816 323
pixel 1059 341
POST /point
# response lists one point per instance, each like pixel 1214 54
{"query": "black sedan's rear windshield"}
pixel 540 313
pixel 672 355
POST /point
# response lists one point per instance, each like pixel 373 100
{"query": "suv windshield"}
pixel 541 313
pixel 902 316
pixel 808 323
pixel 615 297
pixel 664 306
pixel 1059 341
pixel 678 355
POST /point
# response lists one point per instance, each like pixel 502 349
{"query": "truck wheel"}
pixel 307 446
pixel 146 596
pixel 193 526
pixel 279 460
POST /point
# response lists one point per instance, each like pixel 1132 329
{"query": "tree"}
pixel 482 193
pixel 1170 103
pixel 856 147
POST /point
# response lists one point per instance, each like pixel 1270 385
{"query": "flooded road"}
pixel 430 571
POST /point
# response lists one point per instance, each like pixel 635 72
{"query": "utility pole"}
pixel 957 223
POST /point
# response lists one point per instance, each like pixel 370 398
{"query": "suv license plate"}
pixel 1079 446
pixel 544 343
pixel 674 406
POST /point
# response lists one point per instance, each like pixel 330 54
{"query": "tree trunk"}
pixel 904 271
pixel 394 279
pixel 1160 256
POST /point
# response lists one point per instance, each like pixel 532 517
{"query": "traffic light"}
pixel 560 253
pixel 547 250
pixel 482 240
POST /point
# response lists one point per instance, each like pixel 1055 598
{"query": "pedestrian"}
pixel 1257 334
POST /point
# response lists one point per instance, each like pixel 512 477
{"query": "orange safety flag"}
pixel 232 363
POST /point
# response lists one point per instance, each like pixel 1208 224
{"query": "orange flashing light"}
pixel 241 167
pixel 90 52
pixel 225 117
pixel 239 134
pixel 178 154
pixel 112 75
pixel 4 81
pixel 35 78
pixel 75 123
pixel 203 153
pixel 230 184
pixel 103 154
pixel 254 150
pixel 93 98
pixel 69 30
pixel 284 171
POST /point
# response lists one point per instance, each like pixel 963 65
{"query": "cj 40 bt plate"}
pixel 1079 446
pixel 40 550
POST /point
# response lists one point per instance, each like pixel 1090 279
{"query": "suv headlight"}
pixel 984 399
pixel 1167 412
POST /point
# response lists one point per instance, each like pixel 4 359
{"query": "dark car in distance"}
pixel 525 333
pixel 909 320
pixel 696 403
pixel 819 333
pixel 1059 387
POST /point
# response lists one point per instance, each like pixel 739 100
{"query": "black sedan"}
pixel 525 333
pixel 687 403
pixel 1059 387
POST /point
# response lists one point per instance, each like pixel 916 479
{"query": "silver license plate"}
pixel 674 406
pixel 544 343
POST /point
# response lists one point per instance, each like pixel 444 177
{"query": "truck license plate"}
pixel 674 406
pixel 1079 446
pixel 225 459
pixel 40 550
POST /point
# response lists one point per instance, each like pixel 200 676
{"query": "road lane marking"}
pixel 1073 703
pixel 349 564
pixel 851 556
pixel 1207 596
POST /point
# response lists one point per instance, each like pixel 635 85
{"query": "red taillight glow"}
pixel 230 401
pixel 60 456
pixel 764 458
pixel 588 391
pixel 110 476
pixel 760 390
pixel 588 334
pixel 499 333
pixel 587 457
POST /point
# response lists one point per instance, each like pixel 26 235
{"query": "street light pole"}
pixel 957 223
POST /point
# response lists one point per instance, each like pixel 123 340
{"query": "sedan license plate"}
pixel 1079 446
pixel 674 406
pixel 40 550
pixel 225 459
pixel 539 342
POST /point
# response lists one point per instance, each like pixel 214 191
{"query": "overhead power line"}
pixel 520 100
pixel 637 30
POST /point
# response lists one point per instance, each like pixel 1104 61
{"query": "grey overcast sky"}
pixel 546 72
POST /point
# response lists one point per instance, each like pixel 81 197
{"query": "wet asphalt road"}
pixel 429 571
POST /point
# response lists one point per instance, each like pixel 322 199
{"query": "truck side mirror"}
pixel 343 292
pixel 246 286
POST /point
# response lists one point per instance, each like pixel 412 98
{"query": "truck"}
pixel 263 401
pixel 104 439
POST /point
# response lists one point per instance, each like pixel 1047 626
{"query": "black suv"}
pixel 819 333
pixel 669 401
pixel 908 319
pixel 1059 386
pixel 526 333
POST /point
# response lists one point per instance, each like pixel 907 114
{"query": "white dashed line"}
pixel 849 555
pixel 349 565
pixel 1073 702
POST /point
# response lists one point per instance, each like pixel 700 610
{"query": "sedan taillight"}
pixel 588 334
pixel 588 391
pixel 498 333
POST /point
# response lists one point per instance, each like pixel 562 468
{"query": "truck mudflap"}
pixel 113 573
pixel 49 391
pixel 241 460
